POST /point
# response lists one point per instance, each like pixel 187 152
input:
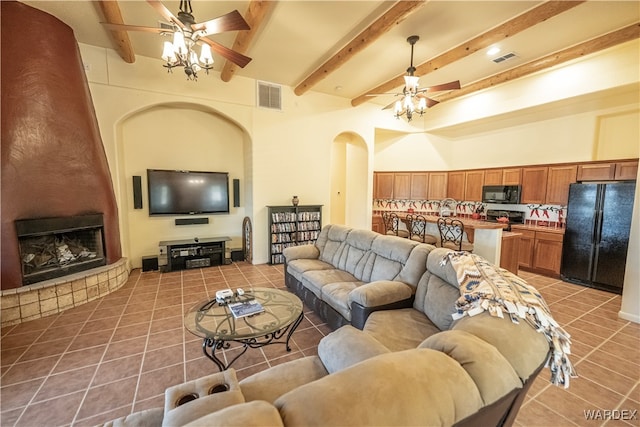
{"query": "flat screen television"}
pixel 180 192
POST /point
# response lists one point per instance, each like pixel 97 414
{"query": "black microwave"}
pixel 505 194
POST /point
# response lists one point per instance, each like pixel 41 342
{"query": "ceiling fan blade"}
pixel 431 102
pixel 122 27
pixel 166 13
pixel 445 86
pixel 385 93
pixel 232 21
pixel 237 58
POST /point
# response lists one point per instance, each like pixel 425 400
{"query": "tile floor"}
pixel 116 355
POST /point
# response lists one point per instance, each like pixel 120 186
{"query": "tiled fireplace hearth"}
pixel 57 295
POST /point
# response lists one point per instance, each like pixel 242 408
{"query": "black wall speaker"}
pixel 137 192
pixel 236 193
pixel 191 221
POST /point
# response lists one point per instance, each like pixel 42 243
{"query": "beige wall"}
pixel 577 117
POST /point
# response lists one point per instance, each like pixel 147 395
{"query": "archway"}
pixel 349 178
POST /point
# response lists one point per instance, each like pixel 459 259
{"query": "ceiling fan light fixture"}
pixel 411 83
pixel 205 55
pixel 179 46
pixel 168 53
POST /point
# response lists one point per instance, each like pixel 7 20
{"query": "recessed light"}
pixel 493 50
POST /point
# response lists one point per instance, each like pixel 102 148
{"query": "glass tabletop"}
pixel 210 319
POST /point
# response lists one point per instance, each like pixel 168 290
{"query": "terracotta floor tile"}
pixel 595 394
pixel 21 339
pixel 605 377
pixel 131 331
pixel 135 318
pixel 66 383
pixel 156 401
pixel 620 350
pixel 9 355
pixel 534 414
pixel 124 348
pixel 167 356
pixel 165 339
pixel 26 371
pixel 156 382
pixel 45 349
pixel 9 418
pixel 569 405
pixel 58 411
pixel 79 358
pixel 117 369
pixel 91 340
pixel 163 313
pixel 99 325
pixel 18 395
pixel 106 397
pixel 199 367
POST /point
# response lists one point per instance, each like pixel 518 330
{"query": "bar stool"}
pixel 417 225
pixel 451 235
pixel 392 225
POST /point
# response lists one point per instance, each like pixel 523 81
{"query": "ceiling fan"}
pixel 411 92
pixel 187 33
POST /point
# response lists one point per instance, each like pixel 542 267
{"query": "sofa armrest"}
pixel 301 252
pixel 379 295
pixel 347 346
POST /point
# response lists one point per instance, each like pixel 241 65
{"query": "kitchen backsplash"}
pixel 542 215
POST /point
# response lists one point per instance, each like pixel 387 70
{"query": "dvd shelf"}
pixel 292 226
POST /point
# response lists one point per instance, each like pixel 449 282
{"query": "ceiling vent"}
pixel 504 57
pixel 269 96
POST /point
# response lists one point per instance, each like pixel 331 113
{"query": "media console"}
pixel 193 253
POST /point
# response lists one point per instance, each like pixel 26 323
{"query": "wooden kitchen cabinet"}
pixel 547 253
pixel 626 170
pixel 377 225
pixel 473 182
pixel 383 185
pixel 608 171
pixel 558 180
pixel 455 186
pixel 525 248
pixel 401 186
pixel 419 186
pixel 511 176
pixel 540 251
pixel 534 185
pixel 596 172
pixel 510 252
pixel 493 177
pixel 437 185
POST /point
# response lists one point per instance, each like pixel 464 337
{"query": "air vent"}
pixel 270 96
pixel 504 57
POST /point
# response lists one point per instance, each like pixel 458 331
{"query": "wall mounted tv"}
pixel 179 192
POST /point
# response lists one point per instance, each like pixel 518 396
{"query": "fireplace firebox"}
pixel 55 247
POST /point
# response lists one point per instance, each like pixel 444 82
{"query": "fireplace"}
pixel 55 247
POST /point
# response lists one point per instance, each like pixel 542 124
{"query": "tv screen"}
pixel 178 192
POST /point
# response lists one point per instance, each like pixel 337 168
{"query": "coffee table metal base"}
pixel 210 345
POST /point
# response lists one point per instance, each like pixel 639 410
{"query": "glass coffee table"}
pixel 216 324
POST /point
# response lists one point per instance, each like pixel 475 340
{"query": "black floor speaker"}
pixel 149 263
pixel 137 192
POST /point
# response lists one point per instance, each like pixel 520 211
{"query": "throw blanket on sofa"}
pixel 484 286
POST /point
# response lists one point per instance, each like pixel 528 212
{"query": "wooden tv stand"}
pixel 195 253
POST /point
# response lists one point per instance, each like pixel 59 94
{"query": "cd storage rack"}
pixel 292 226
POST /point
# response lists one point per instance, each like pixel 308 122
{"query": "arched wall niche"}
pixel 350 174
pixel 179 136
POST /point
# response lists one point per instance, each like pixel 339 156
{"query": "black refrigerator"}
pixel 598 223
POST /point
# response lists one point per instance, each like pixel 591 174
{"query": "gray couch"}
pixel 407 366
pixel 350 273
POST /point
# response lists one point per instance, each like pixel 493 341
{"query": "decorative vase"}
pixel 295 201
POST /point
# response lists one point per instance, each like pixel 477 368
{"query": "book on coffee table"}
pixel 245 308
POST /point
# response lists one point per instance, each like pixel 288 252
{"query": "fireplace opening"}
pixel 55 247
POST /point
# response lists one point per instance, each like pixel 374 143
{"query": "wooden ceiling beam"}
pixel 386 22
pixel 608 40
pixel 111 11
pixel 255 16
pixel 514 26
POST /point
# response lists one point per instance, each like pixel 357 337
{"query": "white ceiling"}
pixel 299 35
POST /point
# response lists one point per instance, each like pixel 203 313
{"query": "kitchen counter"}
pixel 537 228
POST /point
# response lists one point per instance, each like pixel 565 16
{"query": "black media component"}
pixel 184 254
pixel 191 221
pixel 179 192
pixel 236 193
pixel 137 192
pixel 150 263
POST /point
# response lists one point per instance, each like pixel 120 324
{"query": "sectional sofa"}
pixel 410 362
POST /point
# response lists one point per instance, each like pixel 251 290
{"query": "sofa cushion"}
pixel 272 383
pixel 391 255
pixel 509 338
pixel 493 374
pixel 298 267
pixel 400 329
pixel 428 388
pixel 315 280
pixel 337 296
pixel 251 414
pixel 147 417
pixel 347 346
pixel 331 242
